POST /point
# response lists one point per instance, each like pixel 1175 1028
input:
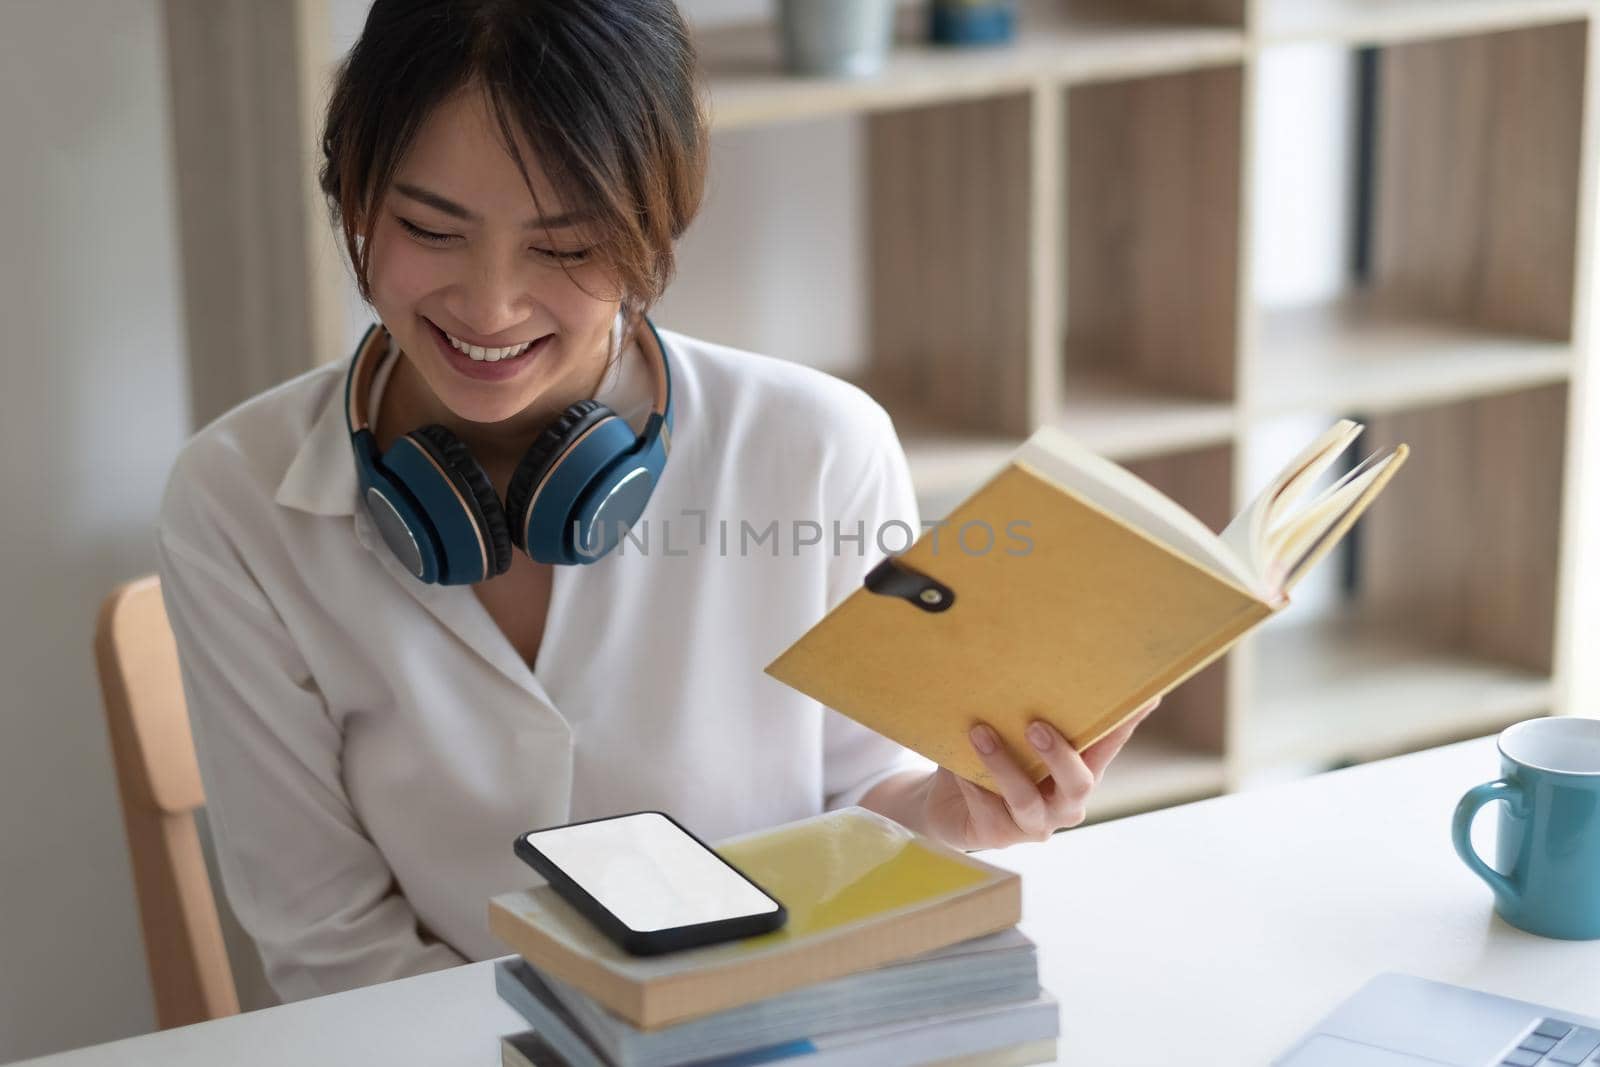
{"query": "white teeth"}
pixel 487 355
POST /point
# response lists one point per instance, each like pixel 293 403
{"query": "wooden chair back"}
pixel 158 779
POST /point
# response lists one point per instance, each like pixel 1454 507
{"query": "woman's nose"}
pixel 493 301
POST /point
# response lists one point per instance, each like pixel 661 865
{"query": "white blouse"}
pixel 370 745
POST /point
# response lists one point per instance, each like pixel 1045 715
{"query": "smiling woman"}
pixel 400 644
pixel 439 134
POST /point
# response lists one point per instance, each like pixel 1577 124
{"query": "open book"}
pixel 1094 593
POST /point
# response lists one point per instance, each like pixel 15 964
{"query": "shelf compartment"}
pixel 1152 773
pixel 1376 22
pixel 1463 549
pixel 1338 689
pixel 1450 628
pixel 1125 421
pixel 1476 173
pixel 1113 418
pixel 1353 355
pixel 1153 231
pixel 1059 42
pixel 948 463
pixel 950 204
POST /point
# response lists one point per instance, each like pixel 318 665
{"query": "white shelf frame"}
pixel 1385 22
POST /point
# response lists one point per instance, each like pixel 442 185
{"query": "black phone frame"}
pixel 649 942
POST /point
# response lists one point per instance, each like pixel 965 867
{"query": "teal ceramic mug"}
pixel 1549 840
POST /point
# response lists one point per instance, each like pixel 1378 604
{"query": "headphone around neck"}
pixel 580 486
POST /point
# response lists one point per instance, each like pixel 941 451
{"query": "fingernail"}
pixel 984 740
pixel 1039 734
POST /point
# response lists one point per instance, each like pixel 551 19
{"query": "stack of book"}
pixel 897 951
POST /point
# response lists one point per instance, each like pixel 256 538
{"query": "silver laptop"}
pixel 1399 1021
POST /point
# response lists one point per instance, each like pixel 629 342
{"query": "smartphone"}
pixel 648 884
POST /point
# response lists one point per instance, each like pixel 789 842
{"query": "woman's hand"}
pixel 969 816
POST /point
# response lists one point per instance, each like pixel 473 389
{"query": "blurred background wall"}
pixel 94 392
pixel 94 363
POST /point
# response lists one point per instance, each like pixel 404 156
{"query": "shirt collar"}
pixel 321 478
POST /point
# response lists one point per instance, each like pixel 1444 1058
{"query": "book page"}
pixel 1247 535
pixel 1124 494
pixel 1361 492
pixel 1288 541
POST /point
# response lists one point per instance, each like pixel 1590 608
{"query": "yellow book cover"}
pixel 860 890
pixel 1093 594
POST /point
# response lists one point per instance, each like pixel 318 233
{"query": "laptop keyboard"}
pixel 1556 1044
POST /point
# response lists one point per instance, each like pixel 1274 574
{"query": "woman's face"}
pixel 494 280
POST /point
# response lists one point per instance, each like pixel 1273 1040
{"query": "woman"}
pixel 378 716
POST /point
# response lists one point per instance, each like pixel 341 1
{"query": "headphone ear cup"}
pixel 541 456
pixel 403 524
pixel 475 489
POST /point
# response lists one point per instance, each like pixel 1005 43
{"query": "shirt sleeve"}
pixel 306 883
pixel 855 757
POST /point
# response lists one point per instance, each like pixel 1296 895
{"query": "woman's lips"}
pixel 484 370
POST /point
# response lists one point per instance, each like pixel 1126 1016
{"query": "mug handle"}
pixel 1461 830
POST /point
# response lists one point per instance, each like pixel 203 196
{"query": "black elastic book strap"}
pixel 893 578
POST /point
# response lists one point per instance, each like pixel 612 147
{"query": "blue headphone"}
pixel 580 486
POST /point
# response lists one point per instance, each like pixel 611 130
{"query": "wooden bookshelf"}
pixel 1058 233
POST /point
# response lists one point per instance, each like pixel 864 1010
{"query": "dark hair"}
pixel 603 90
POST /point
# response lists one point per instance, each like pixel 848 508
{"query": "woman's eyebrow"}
pixel 450 207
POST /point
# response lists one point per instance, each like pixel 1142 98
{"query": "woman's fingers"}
pixel 1029 809
pixel 1073 779
pixel 1018 805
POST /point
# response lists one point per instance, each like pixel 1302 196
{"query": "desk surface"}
pixel 1212 933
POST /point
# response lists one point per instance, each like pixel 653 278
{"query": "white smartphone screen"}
pixel 651 875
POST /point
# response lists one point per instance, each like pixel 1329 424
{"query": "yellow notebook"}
pixel 861 891
pixel 1067 589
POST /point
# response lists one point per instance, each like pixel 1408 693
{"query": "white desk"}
pixel 1209 934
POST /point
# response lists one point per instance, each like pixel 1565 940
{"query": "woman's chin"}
pixel 484 413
